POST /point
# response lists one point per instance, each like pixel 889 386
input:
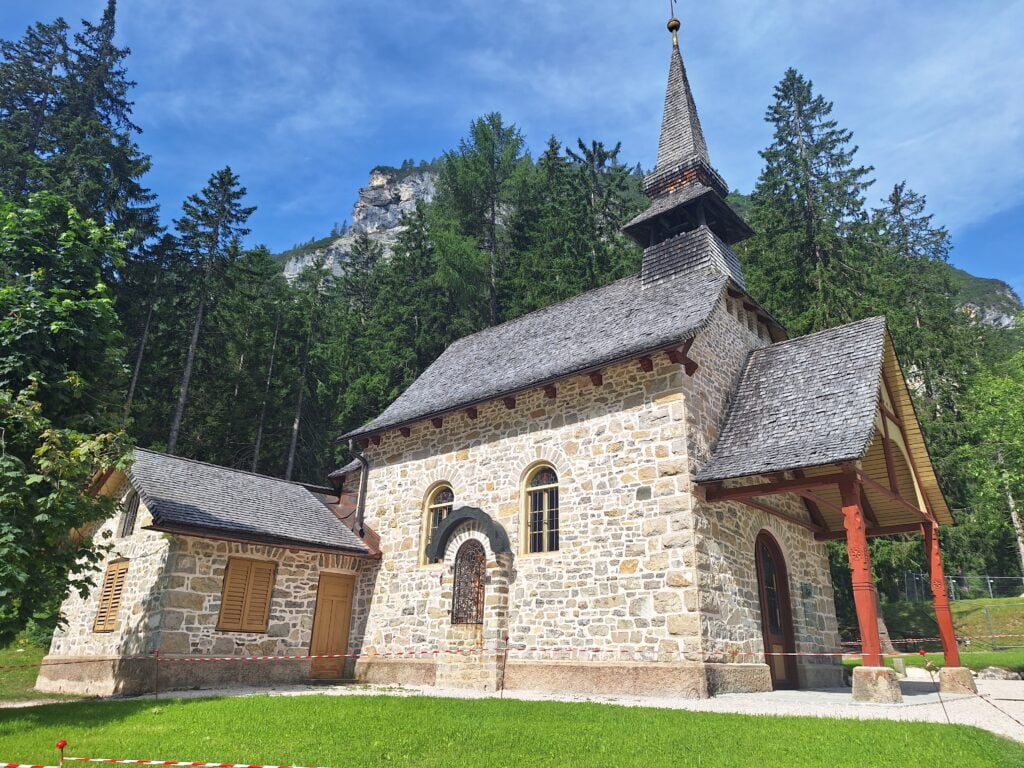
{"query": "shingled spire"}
pixel 688 225
pixel 682 139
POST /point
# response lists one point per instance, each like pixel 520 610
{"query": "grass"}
pixel 976 660
pixel 369 731
pixel 970 617
pixel 17 684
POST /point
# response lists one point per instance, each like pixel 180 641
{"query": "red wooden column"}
pixel 860 565
pixel 940 596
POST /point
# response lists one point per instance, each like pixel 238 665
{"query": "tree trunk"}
pixel 138 364
pixel 1018 529
pixel 298 406
pixel 493 249
pixel 186 375
pixel 266 397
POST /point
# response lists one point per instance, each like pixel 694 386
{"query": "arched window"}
pixel 542 510
pixel 468 594
pixel 439 506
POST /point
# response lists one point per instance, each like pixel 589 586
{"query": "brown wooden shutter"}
pixel 110 597
pixel 245 600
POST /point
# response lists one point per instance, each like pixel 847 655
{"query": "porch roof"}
pixel 814 405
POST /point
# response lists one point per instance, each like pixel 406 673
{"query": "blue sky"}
pixel 303 97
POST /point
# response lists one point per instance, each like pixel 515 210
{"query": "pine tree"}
pixel 476 184
pixel 358 279
pixel 808 262
pixel 32 88
pixel 210 232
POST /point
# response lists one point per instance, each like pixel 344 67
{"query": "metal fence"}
pixel 916 586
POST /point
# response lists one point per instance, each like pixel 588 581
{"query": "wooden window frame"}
pixel 550 536
pixel 111 593
pixel 248 597
pixel 129 514
pixel 431 507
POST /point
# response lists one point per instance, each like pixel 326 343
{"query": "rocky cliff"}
pixel 378 211
pixel 988 301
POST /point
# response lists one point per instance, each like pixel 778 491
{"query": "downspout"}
pixel 363 479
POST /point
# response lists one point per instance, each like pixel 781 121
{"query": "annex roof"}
pixel 188 496
pixel 812 402
pixel 617 322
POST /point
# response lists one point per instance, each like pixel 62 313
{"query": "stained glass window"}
pixel 542 511
pixel 439 506
pixel 468 593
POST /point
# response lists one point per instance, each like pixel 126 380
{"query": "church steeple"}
pixel 681 136
pixel 688 225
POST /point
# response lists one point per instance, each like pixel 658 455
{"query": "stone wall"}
pixel 139 616
pixel 192 596
pixel 630 580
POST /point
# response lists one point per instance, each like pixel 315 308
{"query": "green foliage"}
pixel 65 124
pixel 59 375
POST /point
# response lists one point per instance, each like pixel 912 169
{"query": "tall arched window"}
pixel 468 593
pixel 439 506
pixel 542 510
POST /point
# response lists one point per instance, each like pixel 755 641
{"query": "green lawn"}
pixel 971 618
pixel 17 684
pixel 368 731
pixel 1011 659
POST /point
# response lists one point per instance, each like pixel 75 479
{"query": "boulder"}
pixel 998 673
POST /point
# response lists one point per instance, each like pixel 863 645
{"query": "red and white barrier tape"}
pixel 174 762
pixel 22 765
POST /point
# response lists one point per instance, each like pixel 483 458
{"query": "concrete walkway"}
pixel 920 701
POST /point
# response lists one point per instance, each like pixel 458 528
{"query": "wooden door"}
pixel 330 624
pixel 776 611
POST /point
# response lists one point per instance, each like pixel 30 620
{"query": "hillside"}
pixel 992 301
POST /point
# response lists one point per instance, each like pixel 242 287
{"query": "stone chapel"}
pixel 627 492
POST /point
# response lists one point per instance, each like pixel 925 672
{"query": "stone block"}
pixel 876 685
pixel 956 680
pixel 684 624
pixel 189 600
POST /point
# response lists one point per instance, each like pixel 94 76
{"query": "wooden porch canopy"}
pixel 828 418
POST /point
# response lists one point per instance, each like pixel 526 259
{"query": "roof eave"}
pixel 363 432
pixel 242 537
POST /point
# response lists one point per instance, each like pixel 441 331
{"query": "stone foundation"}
pixel 820 675
pixel 114 676
pixel 876 685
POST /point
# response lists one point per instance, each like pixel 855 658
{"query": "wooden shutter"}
pixel 245 598
pixel 110 597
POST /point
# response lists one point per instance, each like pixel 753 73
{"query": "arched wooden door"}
pixel 776 611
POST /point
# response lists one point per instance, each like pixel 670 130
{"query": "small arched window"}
pixel 439 506
pixel 468 593
pixel 542 510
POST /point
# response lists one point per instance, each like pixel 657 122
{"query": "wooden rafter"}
pixel 774 488
pixel 884 530
pixel 783 516
pixel 893 497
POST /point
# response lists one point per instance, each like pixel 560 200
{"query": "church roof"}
pixel 804 402
pixel 604 326
pixel 192 497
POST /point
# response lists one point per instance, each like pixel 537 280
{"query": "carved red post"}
pixel 860 566
pixel 940 596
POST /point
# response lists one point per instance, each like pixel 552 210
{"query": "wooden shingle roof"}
pixel 188 496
